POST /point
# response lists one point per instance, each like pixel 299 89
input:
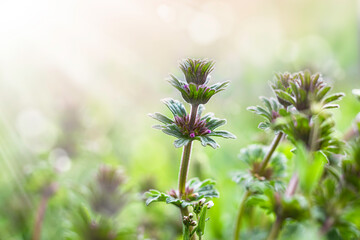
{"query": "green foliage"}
pixel 295 207
pixel 252 178
pixel 86 227
pixel 310 167
pixel 305 92
pixel 179 127
pixel 106 199
pixel 197 94
pixel 197 71
pixel 316 133
pixel 195 89
pixel 195 190
pixel 270 112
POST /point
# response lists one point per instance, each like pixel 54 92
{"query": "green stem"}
pixel 329 222
pixel 294 182
pixel 264 164
pixel 240 215
pixel 275 230
pixel 40 217
pixel 273 146
pixel 185 163
pixel 193 114
pixel 184 168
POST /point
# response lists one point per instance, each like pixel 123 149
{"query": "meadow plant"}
pixel 193 197
pixel 95 219
pixel 323 185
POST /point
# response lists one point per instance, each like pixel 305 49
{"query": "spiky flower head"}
pixel 304 91
pixel 202 130
pixel 282 82
pixel 195 89
pixel 107 197
pixel 196 70
pixel 109 178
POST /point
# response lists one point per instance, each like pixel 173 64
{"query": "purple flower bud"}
pixel 192 135
pixel 186 86
pixel 208 131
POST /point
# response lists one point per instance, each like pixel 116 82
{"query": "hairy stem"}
pixel 185 162
pixel 39 218
pixel 193 114
pixel 40 213
pixel 273 146
pixel 240 215
pixel 294 181
pixel 184 168
pixel 275 230
pixel 264 163
pixel 329 222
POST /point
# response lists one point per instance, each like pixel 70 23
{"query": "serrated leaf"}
pixel 222 133
pixel 176 107
pixel 180 142
pixel 214 123
pixel 161 118
pixel 205 140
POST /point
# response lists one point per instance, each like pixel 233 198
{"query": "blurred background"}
pixel 78 78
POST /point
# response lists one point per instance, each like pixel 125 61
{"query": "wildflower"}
pixel 202 129
pixel 195 90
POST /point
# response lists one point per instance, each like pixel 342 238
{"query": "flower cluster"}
pixel 195 89
pixel 304 91
pixel 202 129
pixel 198 129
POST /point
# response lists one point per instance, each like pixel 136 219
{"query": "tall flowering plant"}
pixel 321 190
pixel 192 197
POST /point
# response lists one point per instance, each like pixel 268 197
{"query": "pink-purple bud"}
pixel 208 131
pixel 192 135
pixel 186 86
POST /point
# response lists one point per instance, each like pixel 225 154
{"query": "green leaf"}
pixel 155 196
pixel 176 107
pixel 200 229
pixel 181 142
pixel 204 188
pixel 222 133
pixel 264 125
pixel 220 86
pixel 172 130
pixel 260 200
pixel 161 118
pixel 310 168
pixel 260 111
pixel 205 140
pixel 214 123
pixel 333 97
pixel 321 94
pixel 285 96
